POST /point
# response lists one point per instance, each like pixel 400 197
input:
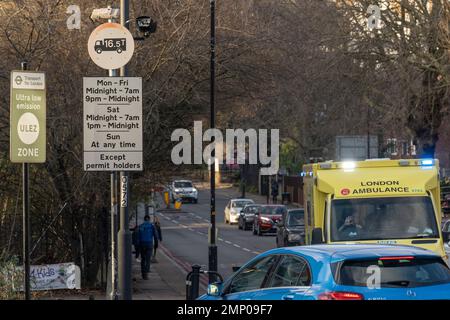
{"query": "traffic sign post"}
pixel 27 141
pixel 113 124
pixel 28 117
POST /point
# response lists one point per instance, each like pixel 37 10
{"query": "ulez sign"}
pixel 28 117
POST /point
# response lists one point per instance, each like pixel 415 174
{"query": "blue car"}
pixel 338 272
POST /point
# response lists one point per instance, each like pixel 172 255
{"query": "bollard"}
pixel 195 282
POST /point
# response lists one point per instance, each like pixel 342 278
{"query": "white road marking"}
pixel 255 252
pixel 245 249
pixel 227 242
pixel 237 246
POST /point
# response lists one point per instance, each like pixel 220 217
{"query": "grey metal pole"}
pixel 113 280
pixel 212 249
pixel 26 221
pixel 124 236
pixel 114 219
pixel 368 132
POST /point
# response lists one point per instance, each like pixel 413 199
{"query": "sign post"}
pixel 113 126
pixel 27 141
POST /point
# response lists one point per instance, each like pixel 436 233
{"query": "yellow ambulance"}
pixel 379 201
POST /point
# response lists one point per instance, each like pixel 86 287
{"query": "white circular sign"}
pixel 28 128
pixel 111 46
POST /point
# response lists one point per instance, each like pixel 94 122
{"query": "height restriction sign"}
pixel 27 117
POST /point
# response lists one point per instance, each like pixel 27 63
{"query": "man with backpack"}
pixel 147 236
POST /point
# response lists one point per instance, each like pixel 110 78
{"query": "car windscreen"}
pixel 251 209
pixel 271 210
pixel 183 184
pixel 383 218
pixel 296 218
pixel 240 204
pixel 406 272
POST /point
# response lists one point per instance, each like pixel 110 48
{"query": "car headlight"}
pixel 294 237
pixel 177 190
pixel 265 219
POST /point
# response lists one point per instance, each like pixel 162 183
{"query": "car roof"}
pixel 182 180
pixel 339 252
pixel 243 199
pixel 273 205
pixel 295 209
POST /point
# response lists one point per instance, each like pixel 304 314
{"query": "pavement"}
pixel 166 281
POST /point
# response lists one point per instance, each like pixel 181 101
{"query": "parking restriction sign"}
pixel 112 123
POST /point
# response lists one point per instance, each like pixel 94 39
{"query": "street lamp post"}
pixel 212 249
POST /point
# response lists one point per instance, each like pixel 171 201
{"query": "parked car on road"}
pixel 247 215
pixel 267 217
pixel 291 228
pixel 446 231
pixel 233 209
pixel 338 272
pixel 183 190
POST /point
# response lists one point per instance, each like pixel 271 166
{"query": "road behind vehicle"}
pixel 291 228
pixel 233 209
pixel 338 272
pixel 247 215
pixel 374 201
pixel 267 217
pixel 183 190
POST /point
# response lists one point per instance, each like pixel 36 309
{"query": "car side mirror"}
pixel 317 236
pixel 215 289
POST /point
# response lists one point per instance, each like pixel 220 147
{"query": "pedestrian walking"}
pixel 274 191
pixel 147 237
pixel 158 238
pixel 135 240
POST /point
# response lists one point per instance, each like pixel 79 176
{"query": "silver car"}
pixel 183 190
